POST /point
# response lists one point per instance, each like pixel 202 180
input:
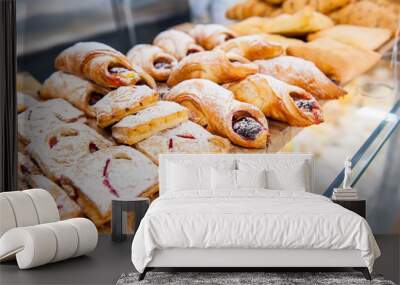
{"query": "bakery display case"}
pixel 106 84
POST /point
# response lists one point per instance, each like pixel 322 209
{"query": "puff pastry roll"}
pixel 145 123
pixel 215 65
pixel 215 108
pixel 252 47
pixel 324 6
pixel 118 172
pixel 176 43
pixel 340 62
pixel 187 137
pixel 249 8
pixel 153 60
pixel 302 73
pixel 122 102
pixel 278 100
pixel 101 64
pixel 24 101
pixel 211 35
pixel 79 92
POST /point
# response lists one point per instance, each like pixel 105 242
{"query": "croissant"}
pixel 252 47
pixel 211 35
pixel 249 8
pixel 215 108
pixel 79 92
pixel 153 60
pixel 302 73
pixel 215 65
pixel 101 64
pixel 176 43
pixel 278 100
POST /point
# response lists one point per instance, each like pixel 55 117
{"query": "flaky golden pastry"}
pixel 252 47
pixel 340 62
pixel 302 73
pixel 322 6
pixel 81 93
pixel 215 108
pixel 215 65
pixel 250 8
pixel 24 102
pixel 283 41
pixel 153 60
pixel 278 100
pixel 211 35
pixel 101 64
pixel 176 43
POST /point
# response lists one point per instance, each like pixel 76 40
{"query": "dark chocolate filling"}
pixel 247 127
pixel 192 50
pixel 94 98
pixel 306 105
pixel 162 64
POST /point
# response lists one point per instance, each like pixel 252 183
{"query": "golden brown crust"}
pixel 250 8
pixel 252 47
pixel 277 99
pixel 324 6
pixel 211 35
pixel 213 106
pixel 215 65
pixel 153 60
pixel 302 73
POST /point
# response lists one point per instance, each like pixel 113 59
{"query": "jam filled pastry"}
pixel 278 100
pixel 187 137
pixel 215 108
pixel 124 101
pixel 135 128
pixel 25 168
pixel 252 47
pixel 62 147
pixel 24 101
pixel 153 60
pixel 162 89
pixel 302 73
pixel 101 64
pixel 211 35
pixel 118 172
pixel 176 43
pixel 81 93
pixel 215 65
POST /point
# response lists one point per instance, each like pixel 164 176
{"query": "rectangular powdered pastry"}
pixel 145 123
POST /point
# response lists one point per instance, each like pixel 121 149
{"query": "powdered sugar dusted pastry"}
pixel 45 116
pixel 161 116
pixel 67 207
pixel 252 47
pixel 60 148
pixel 122 102
pixel 211 35
pixel 215 65
pixel 176 43
pixel 302 73
pixel 25 168
pixel 118 172
pixel 214 107
pixel 162 89
pixel 79 92
pixel 278 100
pixel 101 64
pixel 24 102
pixel 153 60
pixel 187 137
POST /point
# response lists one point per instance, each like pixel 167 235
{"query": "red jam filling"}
pixel 106 180
pixel 186 136
pixel 53 141
pixel 170 144
pixel 93 147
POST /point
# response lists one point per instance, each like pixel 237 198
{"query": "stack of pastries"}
pixel 103 117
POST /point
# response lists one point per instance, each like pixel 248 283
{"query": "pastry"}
pixel 215 65
pixel 366 13
pixel 24 102
pixel 162 89
pixel 324 6
pixel 249 8
pixel 302 73
pixel 67 207
pixel 61 148
pixel 340 62
pixel 252 47
pixel 211 35
pixel 92 123
pixel 176 43
pixel 283 41
pixel 153 60
pixel 363 37
pixel 118 172
pixel 79 92
pixel 44 116
pixel 187 137
pixel 122 102
pixel 215 108
pixel 25 168
pixel 278 100
pixel 101 64
pixel 27 84
pixel 135 128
